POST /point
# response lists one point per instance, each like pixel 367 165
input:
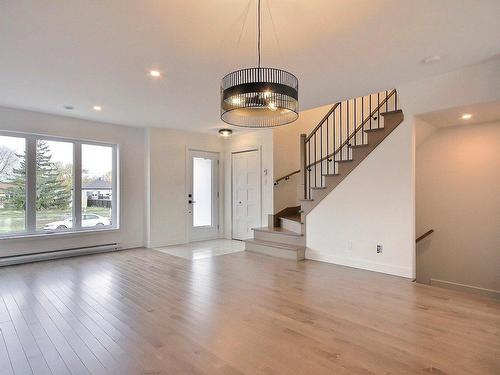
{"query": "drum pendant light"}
pixel 259 97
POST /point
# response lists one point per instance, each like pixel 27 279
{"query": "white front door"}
pixel 246 193
pixel 203 195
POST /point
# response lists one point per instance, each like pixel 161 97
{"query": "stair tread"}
pixel 306 200
pixel 373 130
pixel 279 245
pixel 391 112
pixel 343 160
pixel 278 230
pixel 359 146
pixel 330 174
pixel 318 187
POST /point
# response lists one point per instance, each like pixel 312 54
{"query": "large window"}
pixel 54 185
pixel 50 185
pixel 97 185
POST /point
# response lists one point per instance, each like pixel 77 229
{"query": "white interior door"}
pixel 246 193
pixel 203 195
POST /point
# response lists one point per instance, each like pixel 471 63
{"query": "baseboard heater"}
pixel 56 254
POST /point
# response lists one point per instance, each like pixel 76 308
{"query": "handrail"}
pixel 325 117
pixel 322 120
pixel 347 141
pixel 428 233
pixel 286 177
pixel 355 131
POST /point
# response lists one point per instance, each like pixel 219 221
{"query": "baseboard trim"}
pixel 58 254
pixel 360 264
pixel 466 288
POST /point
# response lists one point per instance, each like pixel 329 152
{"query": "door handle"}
pixel 191 202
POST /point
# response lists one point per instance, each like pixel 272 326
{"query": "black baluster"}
pixel 363 120
pixel 378 110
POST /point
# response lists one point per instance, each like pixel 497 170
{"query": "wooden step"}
pixel 277 230
pixel 280 235
pixel 373 130
pixel 276 249
pixel 359 145
pixel 343 160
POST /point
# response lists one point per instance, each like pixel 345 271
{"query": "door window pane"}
pixel 54 185
pixel 202 192
pixel 12 184
pixel 97 185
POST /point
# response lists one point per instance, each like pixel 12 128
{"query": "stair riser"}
pixel 291 225
pixel 278 237
pixel 298 254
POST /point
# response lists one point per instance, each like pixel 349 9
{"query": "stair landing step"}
pixel 278 245
pixel 278 230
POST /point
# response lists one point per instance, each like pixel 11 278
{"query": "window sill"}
pixel 40 235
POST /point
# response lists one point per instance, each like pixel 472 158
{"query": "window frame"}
pixel 30 186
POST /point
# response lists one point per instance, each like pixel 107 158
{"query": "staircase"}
pixel 345 136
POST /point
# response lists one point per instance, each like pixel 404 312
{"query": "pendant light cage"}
pixel 259 98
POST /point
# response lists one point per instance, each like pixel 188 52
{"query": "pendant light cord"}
pixel 258 30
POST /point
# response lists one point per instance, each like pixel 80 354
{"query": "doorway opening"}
pixel 246 193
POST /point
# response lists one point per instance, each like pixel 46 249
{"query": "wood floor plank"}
pixel 5 364
pixel 145 312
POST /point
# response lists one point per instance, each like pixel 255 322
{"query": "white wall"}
pixel 258 139
pixel 132 206
pixel 372 206
pixel 388 216
pixel 457 195
pixel 166 182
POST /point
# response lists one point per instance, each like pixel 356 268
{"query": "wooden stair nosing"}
pixel 278 245
pixel 280 231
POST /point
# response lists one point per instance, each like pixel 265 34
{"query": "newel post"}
pixel 303 164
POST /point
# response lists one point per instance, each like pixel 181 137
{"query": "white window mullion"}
pixel 77 185
pixel 31 184
pixel 115 192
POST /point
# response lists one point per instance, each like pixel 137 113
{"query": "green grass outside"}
pixel 13 220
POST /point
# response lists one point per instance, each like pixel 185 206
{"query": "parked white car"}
pixel 88 220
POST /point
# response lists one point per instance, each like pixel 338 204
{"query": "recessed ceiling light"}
pixel 432 59
pixel 69 107
pixel 154 73
pixel 225 132
pixel 97 108
pixel 466 116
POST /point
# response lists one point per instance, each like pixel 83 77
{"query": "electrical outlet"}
pixel 380 249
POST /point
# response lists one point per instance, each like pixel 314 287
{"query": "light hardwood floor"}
pixel 145 312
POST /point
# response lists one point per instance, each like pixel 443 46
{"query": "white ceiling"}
pixel 481 113
pixel 86 52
